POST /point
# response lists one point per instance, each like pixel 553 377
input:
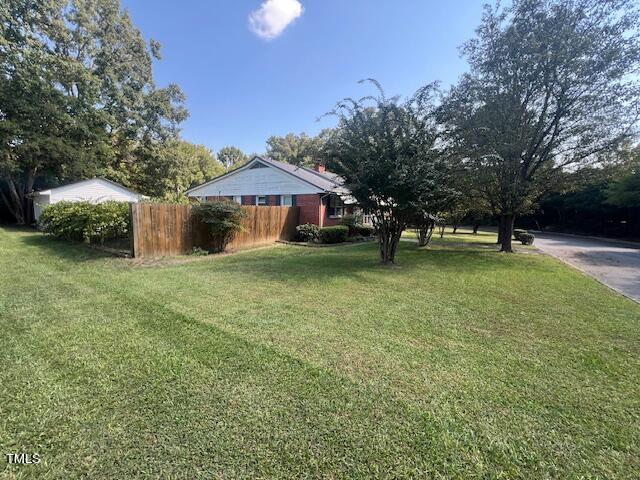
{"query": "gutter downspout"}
pixel 321 215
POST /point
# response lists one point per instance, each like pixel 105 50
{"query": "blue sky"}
pixel 242 88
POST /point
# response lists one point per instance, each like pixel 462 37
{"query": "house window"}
pixel 261 199
pixel 336 207
pixel 237 199
pixel 286 200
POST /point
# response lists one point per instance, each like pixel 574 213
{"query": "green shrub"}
pixel 336 234
pixel 224 220
pixel 517 232
pixel 307 232
pixel 526 238
pixel 199 252
pixel 365 230
pixel 86 221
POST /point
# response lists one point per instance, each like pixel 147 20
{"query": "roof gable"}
pixel 83 183
pixel 317 181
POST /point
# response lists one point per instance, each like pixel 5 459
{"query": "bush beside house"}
pixel 335 234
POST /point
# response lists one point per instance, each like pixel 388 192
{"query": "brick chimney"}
pixel 319 167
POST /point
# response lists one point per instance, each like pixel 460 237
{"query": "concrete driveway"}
pixel 616 264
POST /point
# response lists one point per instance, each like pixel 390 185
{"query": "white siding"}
pixel 95 190
pixel 256 181
pixel 39 204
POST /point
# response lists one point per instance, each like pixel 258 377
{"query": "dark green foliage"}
pixel 307 232
pixel 388 153
pixel 85 221
pixel 517 232
pixel 365 230
pixel 526 238
pixel 552 83
pixel 335 234
pixel 78 97
pixel 224 220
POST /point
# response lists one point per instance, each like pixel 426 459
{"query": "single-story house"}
pixel 96 190
pixel 318 193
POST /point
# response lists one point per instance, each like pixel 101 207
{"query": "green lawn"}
pixel 301 362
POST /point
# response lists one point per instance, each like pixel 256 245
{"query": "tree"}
pixel 386 152
pixel 625 190
pixel 231 157
pixel 170 169
pixel 77 96
pixel 551 86
pixel 297 149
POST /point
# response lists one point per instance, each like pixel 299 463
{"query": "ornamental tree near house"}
pixel 387 153
pixel 551 85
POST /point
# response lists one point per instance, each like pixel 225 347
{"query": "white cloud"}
pixel 273 16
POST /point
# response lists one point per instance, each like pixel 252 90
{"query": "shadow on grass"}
pixel 66 250
pixel 291 265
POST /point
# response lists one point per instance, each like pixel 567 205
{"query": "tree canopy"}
pixel 387 152
pixel 77 96
pixel 300 149
pixel 550 87
pixel 231 157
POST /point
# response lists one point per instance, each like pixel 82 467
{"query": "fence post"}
pixel 133 229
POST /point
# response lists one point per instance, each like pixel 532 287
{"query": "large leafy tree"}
pixel 551 86
pixel 297 149
pixel 624 191
pixel 387 152
pixel 231 157
pixel 77 96
pixel 169 169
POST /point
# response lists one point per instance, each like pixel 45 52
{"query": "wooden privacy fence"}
pixel 159 230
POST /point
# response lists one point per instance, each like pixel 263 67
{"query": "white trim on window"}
pixel 335 209
pixel 261 200
pixel 286 200
pixel 237 199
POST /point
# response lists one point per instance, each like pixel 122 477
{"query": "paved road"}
pixel 614 264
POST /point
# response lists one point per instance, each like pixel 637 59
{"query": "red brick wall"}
pixel 248 200
pixel 309 208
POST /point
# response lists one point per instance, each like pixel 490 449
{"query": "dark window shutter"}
pixel 278 200
pixel 293 200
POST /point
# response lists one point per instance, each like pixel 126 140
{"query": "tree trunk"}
pixel 424 233
pixel 475 228
pixel 507 233
pixel 18 203
pixel 455 228
pixel 500 229
pixel 389 232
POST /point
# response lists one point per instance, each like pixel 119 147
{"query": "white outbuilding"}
pixel 96 190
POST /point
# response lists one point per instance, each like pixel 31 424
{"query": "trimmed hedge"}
pixel 307 232
pixel 365 230
pixel 335 234
pixel 86 221
pixel 517 232
pixel 526 238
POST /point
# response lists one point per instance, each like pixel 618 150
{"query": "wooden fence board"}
pixel 159 230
